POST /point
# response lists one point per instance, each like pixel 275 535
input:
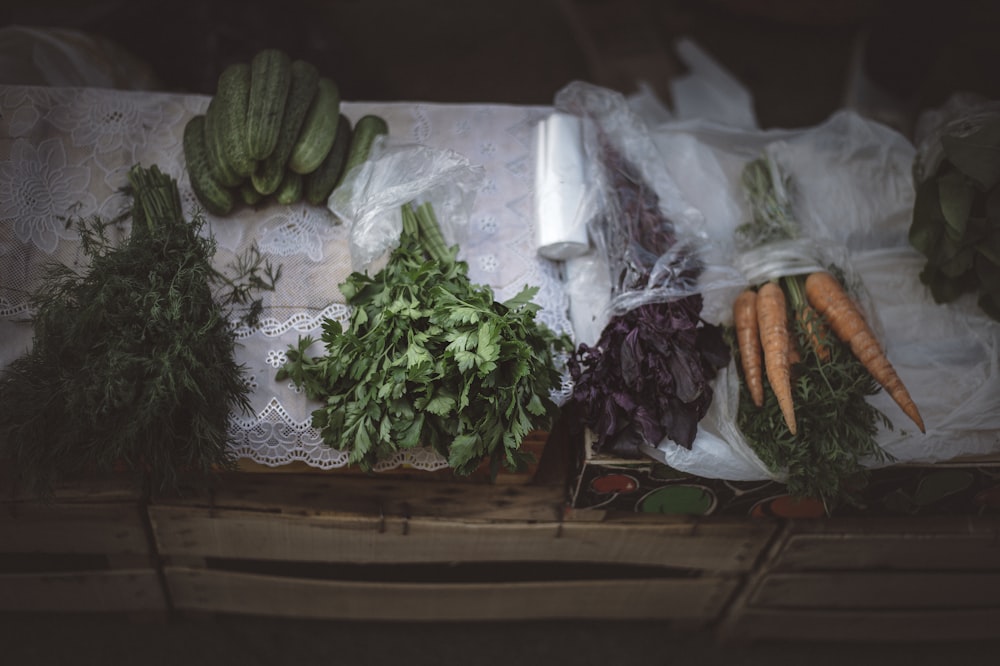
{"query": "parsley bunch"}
pixel 430 359
pixel 132 363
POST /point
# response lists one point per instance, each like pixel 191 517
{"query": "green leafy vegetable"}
pixel 132 363
pixel 429 359
pixel 956 217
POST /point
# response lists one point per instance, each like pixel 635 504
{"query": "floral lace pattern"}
pixel 65 153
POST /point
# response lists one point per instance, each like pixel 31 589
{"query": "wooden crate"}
pixel 535 442
pixel 399 549
pixel 926 578
pixel 88 549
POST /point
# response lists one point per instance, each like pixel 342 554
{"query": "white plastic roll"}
pixel 560 188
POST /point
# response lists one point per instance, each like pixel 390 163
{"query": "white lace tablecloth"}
pixel 65 152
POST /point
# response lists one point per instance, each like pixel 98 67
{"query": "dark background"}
pixel 800 59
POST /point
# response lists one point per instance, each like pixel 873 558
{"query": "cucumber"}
pixel 290 190
pixel 365 131
pixel 318 185
pixel 232 95
pixel 218 160
pixel 270 79
pixel 216 199
pixel 319 130
pixel 250 196
pixel 305 81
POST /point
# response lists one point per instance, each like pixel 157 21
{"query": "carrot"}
pixel 828 296
pixel 810 322
pixel 806 316
pixel 748 342
pixel 772 320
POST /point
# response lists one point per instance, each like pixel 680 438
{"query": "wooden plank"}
pixel 941 524
pixel 878 590
pixel 313 494
pixel 910 626
pixel 183 531
pixel 702 545
pixel 913 551
pixel 72 528
pixel 91 591
pixel 90 489
pixel 698 600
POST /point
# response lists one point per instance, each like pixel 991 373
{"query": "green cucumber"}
pixel 232 95
pixel 319 129
pixel 365 131
pixel 305 82
pixel 218 159
pixel 270 79
pixel 250 196
pixel 216 198
pixel 290 190
pixel 318 185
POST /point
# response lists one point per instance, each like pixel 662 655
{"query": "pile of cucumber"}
pixel 273 129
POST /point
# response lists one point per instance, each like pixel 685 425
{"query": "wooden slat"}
pixel 91 591
pixel 72 528
pixel 878 590
pixel 88 489
pixel 187 532
pixel 910 626
pixel 957 545
pixel 311 494
pixel 697 600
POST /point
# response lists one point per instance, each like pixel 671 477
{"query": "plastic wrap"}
pixel 852 196
pixel 588 289
pixel 45 56
pixel 561 192
pixel 653 241
pixel 371 196
pixel 963 114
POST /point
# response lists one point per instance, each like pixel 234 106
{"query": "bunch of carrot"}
pixel 768 346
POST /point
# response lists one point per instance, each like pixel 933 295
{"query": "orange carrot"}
pixel 794 355
pixel 827 295
pixel 748 342
pixel 806 316
pixel 810 322
pixel 772 320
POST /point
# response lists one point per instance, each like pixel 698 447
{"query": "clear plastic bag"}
pixel 45 56
pixel 853 200
pixel 372 194
pixel 653 241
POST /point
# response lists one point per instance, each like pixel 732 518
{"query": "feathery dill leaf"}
pixel 132 361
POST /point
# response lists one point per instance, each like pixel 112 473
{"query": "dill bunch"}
pixel 132 362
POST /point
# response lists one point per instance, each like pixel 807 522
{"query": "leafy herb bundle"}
pixel 430 359
pixel 956 216
pixel 132 362
pixel 649 374
pixel 836 425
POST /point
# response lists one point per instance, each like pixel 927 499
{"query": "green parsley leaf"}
pixel 440 353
